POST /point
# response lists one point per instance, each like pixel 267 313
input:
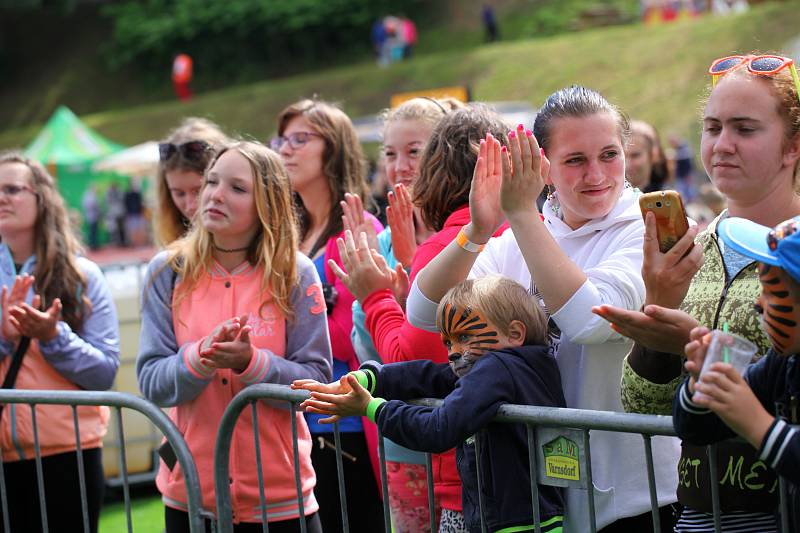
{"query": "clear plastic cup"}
pixel 727 348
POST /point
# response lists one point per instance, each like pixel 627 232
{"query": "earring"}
pixel 552 199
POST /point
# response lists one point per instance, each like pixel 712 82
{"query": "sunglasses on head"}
pixel 191 151
pixel 765 65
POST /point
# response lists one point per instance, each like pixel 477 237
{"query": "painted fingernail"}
pixel 504 149
pixel 520 127
pixel 529 133
pixel 483 142
pixel 541 151
pixel 512 134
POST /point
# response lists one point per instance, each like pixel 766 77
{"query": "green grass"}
pixel 656 73
pixel 147 516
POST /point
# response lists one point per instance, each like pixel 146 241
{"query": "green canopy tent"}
pixel 68 148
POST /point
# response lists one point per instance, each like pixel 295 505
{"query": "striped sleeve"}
pixel 781 449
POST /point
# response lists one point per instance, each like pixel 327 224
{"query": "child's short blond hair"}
pixel 500 300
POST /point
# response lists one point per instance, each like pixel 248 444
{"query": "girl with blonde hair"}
pixel 262 321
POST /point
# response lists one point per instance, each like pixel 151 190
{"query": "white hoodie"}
pixel 590 354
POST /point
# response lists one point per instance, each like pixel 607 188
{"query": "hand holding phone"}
pixel 671 221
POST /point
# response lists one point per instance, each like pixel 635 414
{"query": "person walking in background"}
pixel 183 157
pixel 409 30
pixel 182 72
pixel 262 320
pixel 135 225
pixel 59 301
pixel 489 19
pixel 91 215
pixel 324 160
pixel 115 215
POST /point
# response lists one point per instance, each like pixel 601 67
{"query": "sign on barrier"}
pixel 560 456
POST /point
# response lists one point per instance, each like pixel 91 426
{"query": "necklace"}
pixel 231 250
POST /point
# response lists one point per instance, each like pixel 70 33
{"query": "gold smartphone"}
pixel 671 219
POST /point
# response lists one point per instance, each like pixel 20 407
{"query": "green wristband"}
pixel 365 378
pixel 372 407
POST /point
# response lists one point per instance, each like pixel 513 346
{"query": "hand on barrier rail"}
pixel 352 403
pixel 312 385
pixel 228 346
pixel 11 298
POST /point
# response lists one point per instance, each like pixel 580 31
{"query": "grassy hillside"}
pixel 654 73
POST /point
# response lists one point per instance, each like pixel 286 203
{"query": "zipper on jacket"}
pixel 728 283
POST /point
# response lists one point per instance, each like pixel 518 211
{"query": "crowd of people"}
pixel 472 294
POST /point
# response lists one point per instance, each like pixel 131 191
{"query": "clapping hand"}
pixel 524 172
pixel 228 346
pixel 400 215
pixel 365 270
pixel 353 219
pixel 12 298
pixel 484 193
pixel 36 324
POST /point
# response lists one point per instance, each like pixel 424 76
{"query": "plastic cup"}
pixel 728 348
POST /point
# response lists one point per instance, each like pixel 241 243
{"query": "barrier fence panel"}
pixel 117 401
pixel 558 451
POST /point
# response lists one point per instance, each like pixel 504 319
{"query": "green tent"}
pixel 68 147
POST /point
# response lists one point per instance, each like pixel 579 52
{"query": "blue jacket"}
pixel 527 375
pixel 775 380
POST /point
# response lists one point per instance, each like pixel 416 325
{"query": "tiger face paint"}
pixel 779 313
pixel 467 336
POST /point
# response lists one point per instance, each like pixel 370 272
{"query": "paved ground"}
pixel 113 254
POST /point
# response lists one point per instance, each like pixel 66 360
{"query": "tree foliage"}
pixel 280 36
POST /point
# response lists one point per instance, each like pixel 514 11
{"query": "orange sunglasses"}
pixel 765 65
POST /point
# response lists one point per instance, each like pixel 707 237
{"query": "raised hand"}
pixel 657 328
pixel 229 345
pixel 400 215
pixel 524 172
pixel 13 297
pixel 362 276
pixel 667 275
pixel 36 324
pixel 352 403
pixel 484 193
pixel 353 219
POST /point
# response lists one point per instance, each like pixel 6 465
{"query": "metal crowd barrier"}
pixel 556 436
pixel 117 401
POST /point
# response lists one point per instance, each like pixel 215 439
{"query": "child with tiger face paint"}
pixel 762 405
pixel 496 335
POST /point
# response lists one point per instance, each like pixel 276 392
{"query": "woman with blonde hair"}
pixel 59 302
pixel 183 157
pixel 324 160
pixel 263 321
